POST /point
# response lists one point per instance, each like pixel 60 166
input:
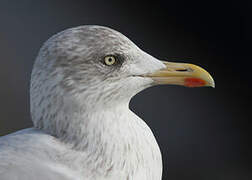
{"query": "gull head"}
pixel 92 68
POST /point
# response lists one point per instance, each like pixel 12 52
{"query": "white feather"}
pixel 87 130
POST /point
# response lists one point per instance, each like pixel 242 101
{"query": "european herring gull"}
pixel 81 84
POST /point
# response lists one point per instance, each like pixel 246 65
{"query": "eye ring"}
pixel 110 60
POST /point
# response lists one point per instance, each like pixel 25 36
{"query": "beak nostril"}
pixel 182 70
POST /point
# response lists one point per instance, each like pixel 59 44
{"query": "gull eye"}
pixel 109 60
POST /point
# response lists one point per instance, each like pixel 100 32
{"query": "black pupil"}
pixel 110 59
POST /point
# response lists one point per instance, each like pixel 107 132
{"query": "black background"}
pixel 203 133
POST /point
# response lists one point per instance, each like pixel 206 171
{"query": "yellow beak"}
pixel 188 75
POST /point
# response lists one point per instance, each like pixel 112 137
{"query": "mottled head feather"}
pixel 69 77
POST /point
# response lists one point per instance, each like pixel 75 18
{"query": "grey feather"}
pixel 83 128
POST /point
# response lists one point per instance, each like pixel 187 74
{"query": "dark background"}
pixel 203 133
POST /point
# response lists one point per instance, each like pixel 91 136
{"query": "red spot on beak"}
pixel 194 82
